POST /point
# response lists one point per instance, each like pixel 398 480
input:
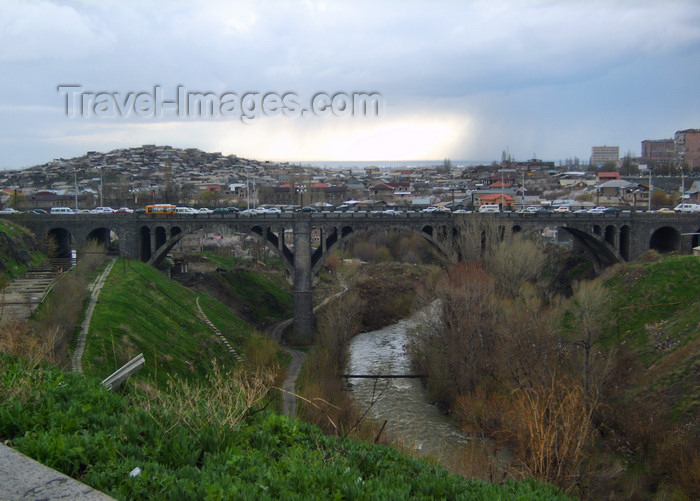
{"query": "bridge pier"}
pixel 303 325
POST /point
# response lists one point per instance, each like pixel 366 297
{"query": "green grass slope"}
pixel 140 310
pixel 657 306
pixel 69 422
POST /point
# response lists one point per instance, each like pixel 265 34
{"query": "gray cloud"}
pixel 503 67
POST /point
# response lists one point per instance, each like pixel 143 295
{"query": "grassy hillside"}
pixel 207 442
pixel 658 316
pixel 258 293
pixel 142 311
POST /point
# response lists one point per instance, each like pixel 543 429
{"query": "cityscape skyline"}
pixel 545 79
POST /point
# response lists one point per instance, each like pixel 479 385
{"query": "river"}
pixel 411 419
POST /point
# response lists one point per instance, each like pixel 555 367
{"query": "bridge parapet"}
pixel 607 238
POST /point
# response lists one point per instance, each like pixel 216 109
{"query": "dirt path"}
pixel 289 399
pixel 95 287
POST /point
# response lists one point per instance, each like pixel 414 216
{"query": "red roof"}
pixel 496 196
pixel 321 185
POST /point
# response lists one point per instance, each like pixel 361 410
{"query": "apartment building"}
pixel 658 152
pixel 600 155
pixel 687 147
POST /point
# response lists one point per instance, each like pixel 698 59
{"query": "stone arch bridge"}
pixel 607 239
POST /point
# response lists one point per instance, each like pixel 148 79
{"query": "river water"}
pixel 411 419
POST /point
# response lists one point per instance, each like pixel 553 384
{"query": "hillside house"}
pixel 501 199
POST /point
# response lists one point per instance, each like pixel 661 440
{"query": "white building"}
pixel 600 155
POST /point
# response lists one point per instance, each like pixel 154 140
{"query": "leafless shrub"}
pixel 470 241
pixel 18 339
pixel 589 308
pixel 552 428
pixel 327 404
pixel 92 256
pixel 456 342
pixel 514 261
pixel 528 333
pixel 61 310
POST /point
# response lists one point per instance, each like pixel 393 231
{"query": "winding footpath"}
pixel 289 397
pixel 95 287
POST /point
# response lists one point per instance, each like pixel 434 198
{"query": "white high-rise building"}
pixel 600 155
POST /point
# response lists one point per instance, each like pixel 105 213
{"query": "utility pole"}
pixel 101 183
pixel 651 189
pixel 75 181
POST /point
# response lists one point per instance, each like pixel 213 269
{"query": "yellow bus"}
pixel 160 210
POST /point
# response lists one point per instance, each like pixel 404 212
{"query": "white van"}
pixel 185 211
pixel 489 208
pixel 62 210
pixel 687 208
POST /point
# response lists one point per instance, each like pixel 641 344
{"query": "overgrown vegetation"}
pixel 324 403
pixel 59 314
pixel 207 441
pixel 575 387
pixel 18 251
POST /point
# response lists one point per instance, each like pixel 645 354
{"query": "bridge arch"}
pixel 144 239
pixel 625 242
pixel 273 239
pixel 436 235
pixel 665 239
pixel 63 241
pixel 101 235
pixel 601 252
pixel 695 239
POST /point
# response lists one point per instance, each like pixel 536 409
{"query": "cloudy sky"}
pixel 461 80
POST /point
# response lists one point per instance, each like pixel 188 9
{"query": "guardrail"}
pixel 115 379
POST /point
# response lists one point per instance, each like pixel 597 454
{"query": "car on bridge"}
pixel 490 208
pixel 307 208
pixel 185 211
pixel 529 210
pixel 62 210
pixel 601 211
pixel 102 210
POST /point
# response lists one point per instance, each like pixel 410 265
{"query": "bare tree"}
pixel 590 316
pixel 471 239
pixel 514 260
